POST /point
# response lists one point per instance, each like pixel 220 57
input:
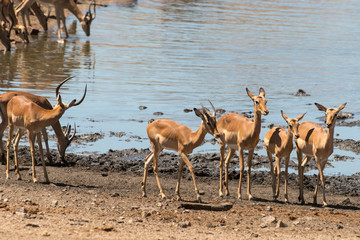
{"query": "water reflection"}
pixel 43 63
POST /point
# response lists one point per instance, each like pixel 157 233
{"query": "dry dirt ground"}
pixel 85 203
pixel 97 202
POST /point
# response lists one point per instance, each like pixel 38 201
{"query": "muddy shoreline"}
pixel 205 165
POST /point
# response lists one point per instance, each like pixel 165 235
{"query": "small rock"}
pixel 268 220
pixel 145 214
pixel 340 227
pixel 187 110
pixel 142 107
pixel 184 224
pixel 301 92
pixel 254 235
pixel 32 225
pixel 269 208
pixel 115 195
pixel 107 228
pixel 280 224
pixel 45 234
pixel 158 113
pixel 135 207
pixel 201 192
pixel 54 203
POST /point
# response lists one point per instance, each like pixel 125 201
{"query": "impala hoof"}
pixel 199 199
pixel 163 197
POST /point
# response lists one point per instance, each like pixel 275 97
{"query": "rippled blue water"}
pixel 171 55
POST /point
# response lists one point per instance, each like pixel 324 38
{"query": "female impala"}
pixel 316 141
pixel 7 16
pixel 170 135
pixel 279 142
pixel 240 133
pixel 24 114
pixel 60 6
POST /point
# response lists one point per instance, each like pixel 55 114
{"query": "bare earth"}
pixel 83 203
pixel 96 202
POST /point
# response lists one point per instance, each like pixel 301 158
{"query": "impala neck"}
pixel 199 135
pixel 330 136
pixel 75 10
pixel 257 123
pixel 58 131
pixel 53 115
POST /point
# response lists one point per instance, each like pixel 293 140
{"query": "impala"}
pixel 315 141
pixel 7 16
pixel 24 114
pixel 63 138
pixel 240 133
pixel 4 38
pixel 279 142
pixel 60 5
pixel 171 135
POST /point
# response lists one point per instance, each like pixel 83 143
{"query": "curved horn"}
pixel 58 87
pixel 72 136
pixel 74 103
pixel 91 15
pixel 214 113
pixel 68 130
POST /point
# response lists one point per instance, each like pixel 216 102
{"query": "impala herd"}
pixel 9 18
pixel 23 111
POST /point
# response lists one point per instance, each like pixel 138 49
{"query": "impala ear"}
pixel 284 116
pixel 262 92
pixel 300 117
pixel 321 107
pixel 201 114
pixel 341 107
pixel 249 94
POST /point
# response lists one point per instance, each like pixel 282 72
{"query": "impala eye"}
pixel 290 126
pixel 257 102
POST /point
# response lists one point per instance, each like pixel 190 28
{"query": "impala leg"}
pixel 58 16
pixel 16 144
pixel 177 191
pixel 321 166
pixel 241 160
pixel 287 159
pixel 155 167
pixel 64 23
pixel 3 126
pixel 31 137
pixel 222 152
pixel 272 173
pixel 8 146
pixel 147 161
pixel 278 173
pixel 251 152
pixel 191 168
pixel 42 157
pixel 229 155
pixel 46 141
pixel 300 173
